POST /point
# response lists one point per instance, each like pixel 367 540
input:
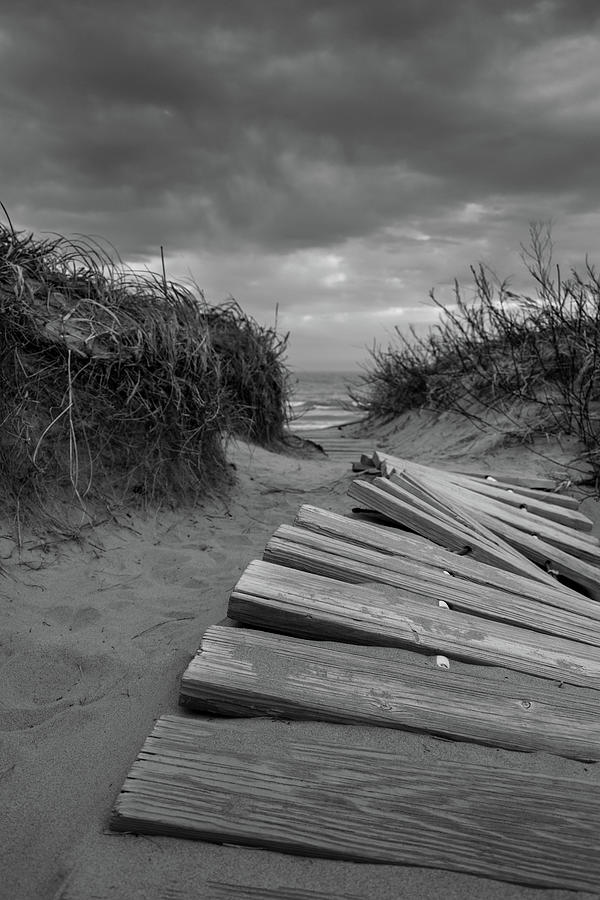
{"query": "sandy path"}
pixel 93 641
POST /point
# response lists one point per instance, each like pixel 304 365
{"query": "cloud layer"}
pixel 336 158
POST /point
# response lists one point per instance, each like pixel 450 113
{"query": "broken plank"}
pixel 388 499
pixel 540 552
pixel 571 518
pixel 242 672
pixel 582 546
pixel 339 801
pixel 275 598
pixel 497 484
pixel 567 501
pixel 417 549
pixel 432 502
pixel 436 481
pixel 308 552
pixel 515 480
pixel 551 557
pixel 365 470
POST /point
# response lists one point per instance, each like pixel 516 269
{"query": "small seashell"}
pixel 442 662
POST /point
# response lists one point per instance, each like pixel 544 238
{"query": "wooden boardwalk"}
pixel 344 449
pixel 459 568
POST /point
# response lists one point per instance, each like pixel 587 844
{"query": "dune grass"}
pixel 121 384
pixel 530 359
pixel 253 372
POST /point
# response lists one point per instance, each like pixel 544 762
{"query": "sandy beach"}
pixel 95 637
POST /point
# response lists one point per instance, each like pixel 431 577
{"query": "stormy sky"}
pixel 339 159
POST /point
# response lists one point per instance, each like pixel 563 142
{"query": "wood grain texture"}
pixel 242 672
pixel 452 503
pixel 393 542
pixel 400 506
pixel 534 501
pixel 309 552
pixel 515 480
pixel 543 494
pixel 535 549
pixel 567 501
pixel 570 517
pixel 515 513
pixel 565 538
pixel 275 598
pixel 551 557
pixel 344 802
pixel 430 500
pixel 413 514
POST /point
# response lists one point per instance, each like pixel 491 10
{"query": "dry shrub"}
pixel 503 352
pixel 119 383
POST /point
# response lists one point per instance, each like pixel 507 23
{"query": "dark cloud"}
pixel 270 127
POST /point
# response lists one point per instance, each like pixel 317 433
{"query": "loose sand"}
pixel 93 641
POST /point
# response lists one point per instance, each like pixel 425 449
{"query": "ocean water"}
pixel 320 400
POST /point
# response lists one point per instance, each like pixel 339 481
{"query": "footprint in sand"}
pixel 40 680
pixel 177 567
pixel 74 619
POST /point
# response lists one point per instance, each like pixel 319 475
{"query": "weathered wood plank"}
pixel 572 518
pixel 548 557
pixel 544 554
pixel 431 502
pixel 400 506
pixel 275 598
pixel 433 516
pixel 537 550
pixel 309 552
pixel 242 672
pixel 543 496
pixel 499 482
pixel 515 480
pixel 343 802
pixel 536 502
pixel 392 542
pixel 582 546
pixel 336 446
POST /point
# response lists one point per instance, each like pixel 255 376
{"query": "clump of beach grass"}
pixel 255 378
pixel 532 359
pixel 120 384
